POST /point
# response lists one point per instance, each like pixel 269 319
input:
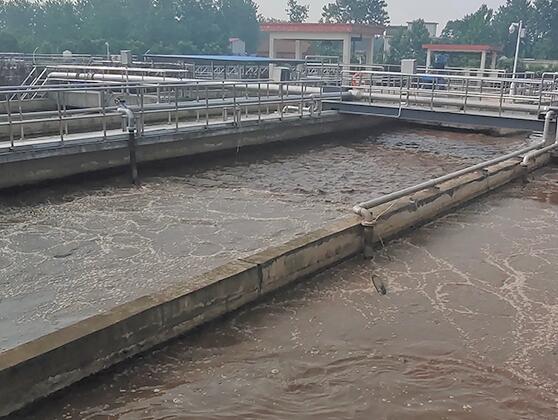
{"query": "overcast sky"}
pixel 400 11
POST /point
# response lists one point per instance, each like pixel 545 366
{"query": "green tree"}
pixel 8 42
pixel 17 17
pixel 514 11
pixel 57 22
pixel 192 26
pixel 356 11
pixel 297 13
pixel 407 43
pixel 475 28
pixel 240 19
pixel 545 41
pixel 488 27
pixel 198 25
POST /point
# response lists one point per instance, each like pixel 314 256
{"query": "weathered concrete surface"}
pixel 53 362
pixel 24 167
pixel 57 360
pixel 89 346
pixel 466 331
pixel 94 99
pixel 309 254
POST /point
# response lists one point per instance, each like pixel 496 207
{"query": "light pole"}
pixel 520 34
pixel 108 50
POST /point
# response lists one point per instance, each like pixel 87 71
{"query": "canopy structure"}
pixel 482 49
pixel 323 32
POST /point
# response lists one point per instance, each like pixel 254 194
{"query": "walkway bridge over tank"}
pixel 494 102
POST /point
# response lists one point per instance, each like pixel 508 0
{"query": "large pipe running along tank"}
pixel 547 143
pixel 88 76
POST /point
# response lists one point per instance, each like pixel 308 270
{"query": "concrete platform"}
pixel 456 117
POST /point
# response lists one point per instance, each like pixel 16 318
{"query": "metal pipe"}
pixel 10 127
pixel 548 124
pixel 530 156
pixel 546 140
pixel 128 114
pixel 131 127
pixel 363 209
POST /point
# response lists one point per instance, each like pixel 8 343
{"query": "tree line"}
pixel 488 26
pixel 162 26
pixel 485 26
pixel 205 26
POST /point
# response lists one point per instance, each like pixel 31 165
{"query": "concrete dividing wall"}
pixel 30 105
pixel 39 368
pixel 24 167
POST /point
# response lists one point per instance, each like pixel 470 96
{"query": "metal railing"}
pixel 464 93
pixel 220 71
pixel 157 106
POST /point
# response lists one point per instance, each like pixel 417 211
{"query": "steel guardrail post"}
pixel 500 108
pixel 234 104
pixel 10 126
pixel 433 84
pixel 541 88
pixel 141 129
pixel 320 105
pixel 267 99
pixel 370 88
pixel 104 113
pixel 66 128
pixel 259 103
pixel 206 107
pixel 466 95
pixel 60 125
pixel 247 98
pixel 176 108
pixel 21 122
pixel 301 100
pixel 197 101
pixel 281 102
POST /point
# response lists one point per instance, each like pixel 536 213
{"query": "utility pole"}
pixel 520 34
